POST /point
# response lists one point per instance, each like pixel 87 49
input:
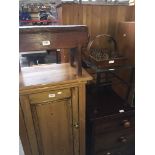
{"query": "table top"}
pixel 49 75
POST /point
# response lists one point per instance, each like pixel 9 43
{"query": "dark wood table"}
pixel 37 38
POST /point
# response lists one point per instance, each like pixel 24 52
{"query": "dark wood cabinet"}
pixel 110 124
pixel 114 137
pixel 110 136
pixel 52 101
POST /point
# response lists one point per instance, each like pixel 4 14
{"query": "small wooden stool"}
pixel 37 38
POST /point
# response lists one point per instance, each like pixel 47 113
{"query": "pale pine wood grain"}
pixel 44 75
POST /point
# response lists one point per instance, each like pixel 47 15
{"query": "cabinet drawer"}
pixel 50 96
pixel 115 139
pixel 129 150
pixel 118 122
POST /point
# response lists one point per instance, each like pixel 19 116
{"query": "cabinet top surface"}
pixel 49 75
pixel 128 22
pixel 54 28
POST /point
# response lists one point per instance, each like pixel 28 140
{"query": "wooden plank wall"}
pixel 99 18
pixel 126 47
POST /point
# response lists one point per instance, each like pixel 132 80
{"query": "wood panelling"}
pixel 126 40
pixel 99 18
pixel 126 47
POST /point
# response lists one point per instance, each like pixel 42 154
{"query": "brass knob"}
pixel 126 124
pixel 124 35
pixel 123 139
pixel 76 125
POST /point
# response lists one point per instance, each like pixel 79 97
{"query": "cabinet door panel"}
pixel 53 125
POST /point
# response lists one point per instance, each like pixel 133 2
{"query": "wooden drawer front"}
pixel 41 40
pixel 129 150
pixel 116 139
pixel 114 123
pixel 50 96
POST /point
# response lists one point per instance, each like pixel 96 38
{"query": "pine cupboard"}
pixel 52 110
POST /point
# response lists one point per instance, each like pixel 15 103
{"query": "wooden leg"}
pixel 78 61
pixel 75 55
pixel 98 78
pixel 130 83
pixel 72 56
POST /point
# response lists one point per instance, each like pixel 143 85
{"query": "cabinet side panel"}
pixel 54 121
pixel 25 105
pixel 23 134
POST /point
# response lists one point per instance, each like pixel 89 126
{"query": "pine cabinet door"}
pixel 53 127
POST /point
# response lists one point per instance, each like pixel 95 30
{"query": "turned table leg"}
pixel 78 61
pixel 75 55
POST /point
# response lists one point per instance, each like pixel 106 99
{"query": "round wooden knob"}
pixel 126 124
pixel 124 35
pixel 123 139
pixel 76 125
